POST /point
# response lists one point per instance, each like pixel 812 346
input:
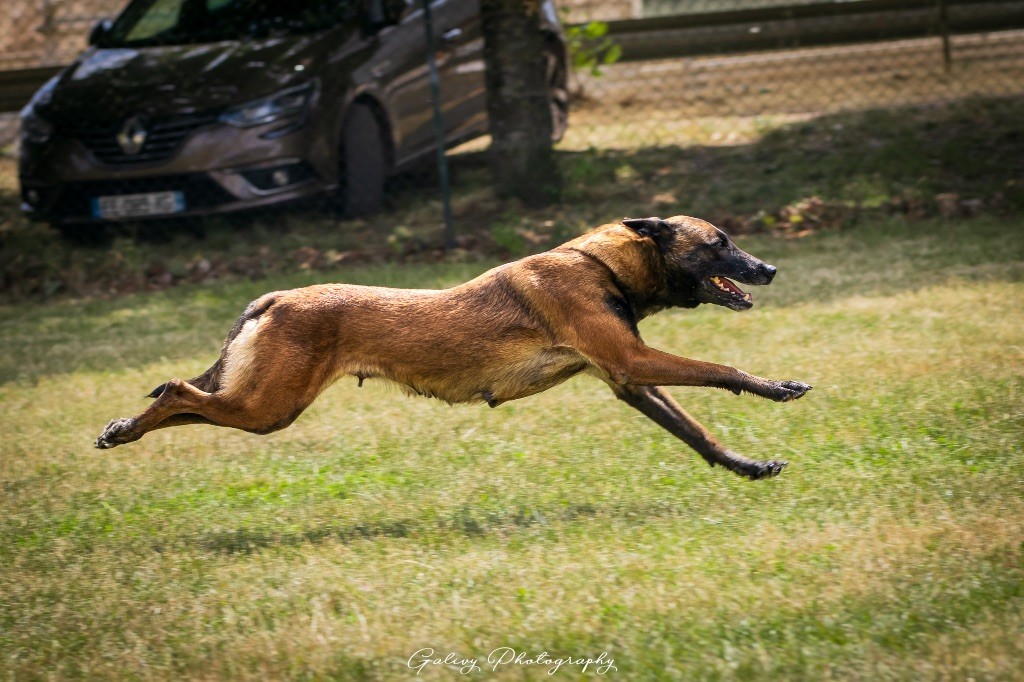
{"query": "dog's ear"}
pixel 655 228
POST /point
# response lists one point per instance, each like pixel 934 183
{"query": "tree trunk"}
pixel 521 155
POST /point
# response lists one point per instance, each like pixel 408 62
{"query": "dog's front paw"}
pixel 784 391
pixel 116 433
pixel 768 469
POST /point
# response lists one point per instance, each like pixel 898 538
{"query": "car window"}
pixel 159 17
pixel 183 22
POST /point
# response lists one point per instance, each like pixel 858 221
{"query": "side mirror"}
pixel 99 31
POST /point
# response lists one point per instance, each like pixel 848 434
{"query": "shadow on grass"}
pixel 974 149
pixel 464 522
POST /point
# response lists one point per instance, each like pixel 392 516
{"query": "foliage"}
pixel 508 237
pixel 590 47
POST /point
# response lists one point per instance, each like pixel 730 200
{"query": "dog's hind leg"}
pixel 182 403
pixel 261 383
pixel 659 406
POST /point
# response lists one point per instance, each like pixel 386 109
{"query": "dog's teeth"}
pixel 746 297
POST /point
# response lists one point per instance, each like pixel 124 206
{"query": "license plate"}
pixel 133 205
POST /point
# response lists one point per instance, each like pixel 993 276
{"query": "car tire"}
pixel 364 163
pixel 558 94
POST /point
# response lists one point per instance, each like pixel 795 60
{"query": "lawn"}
pixel 379 525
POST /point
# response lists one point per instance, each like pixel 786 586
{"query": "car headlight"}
pixel 279 105
pixel 34 129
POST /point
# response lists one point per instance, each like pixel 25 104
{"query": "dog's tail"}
pixel 155 393
pixel 209 381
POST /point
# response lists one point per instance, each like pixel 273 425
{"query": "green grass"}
pixel 377 525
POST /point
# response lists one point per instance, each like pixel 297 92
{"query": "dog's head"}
pixel 702 265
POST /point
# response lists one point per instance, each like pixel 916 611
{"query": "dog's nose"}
pixel 769 271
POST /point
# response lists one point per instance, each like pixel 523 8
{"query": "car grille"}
pixel 163 139
pixel 75 198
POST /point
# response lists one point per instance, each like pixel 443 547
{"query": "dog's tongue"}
pixel 730 285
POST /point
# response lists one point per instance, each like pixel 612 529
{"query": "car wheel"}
pixel 558 95
pixel 364 163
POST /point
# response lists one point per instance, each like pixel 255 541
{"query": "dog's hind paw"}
pixel 115 432
pixel 754 469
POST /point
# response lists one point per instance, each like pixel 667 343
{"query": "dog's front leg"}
pixel 646 366
pixel 659 406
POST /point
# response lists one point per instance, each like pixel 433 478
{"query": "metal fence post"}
pixel 442 159
pixel 947 55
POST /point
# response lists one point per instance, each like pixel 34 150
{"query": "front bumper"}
pixel 217 168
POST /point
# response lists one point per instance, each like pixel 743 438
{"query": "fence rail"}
pixel 820 24
pixel 736 31
pixel 17 85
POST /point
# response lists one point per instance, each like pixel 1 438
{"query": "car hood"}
pixel 112 83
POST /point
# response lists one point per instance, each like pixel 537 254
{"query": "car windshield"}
pixel 185 22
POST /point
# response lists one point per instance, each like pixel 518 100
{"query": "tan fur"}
pixel 239 357
pixel 515 330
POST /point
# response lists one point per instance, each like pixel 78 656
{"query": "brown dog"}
pixel 516 330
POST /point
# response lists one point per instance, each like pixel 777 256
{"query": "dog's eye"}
pixel 723 242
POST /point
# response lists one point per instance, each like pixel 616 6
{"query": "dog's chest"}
pixel 535 373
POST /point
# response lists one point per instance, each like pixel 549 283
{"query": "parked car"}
pixel 198 107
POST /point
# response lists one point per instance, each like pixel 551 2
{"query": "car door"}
pixel 460 53
pixel 399 69
pixel 401 63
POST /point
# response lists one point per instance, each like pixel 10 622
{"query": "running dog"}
pixel 516 330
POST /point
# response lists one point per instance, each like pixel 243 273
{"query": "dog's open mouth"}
pixel 727 286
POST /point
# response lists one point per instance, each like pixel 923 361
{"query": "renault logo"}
pixel 132 136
